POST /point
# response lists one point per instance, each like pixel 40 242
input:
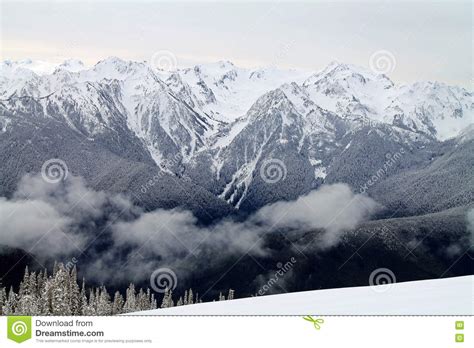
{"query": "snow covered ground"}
pixel 450 296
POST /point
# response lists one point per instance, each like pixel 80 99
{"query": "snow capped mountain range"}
pixel 222 92
pixel 217 123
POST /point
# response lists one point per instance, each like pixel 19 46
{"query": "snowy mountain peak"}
pixel 73 65
pixel 114 61
pixel 117 67
pixel 431 108
pixel 347 74
pixel 37 66
pixel 226 64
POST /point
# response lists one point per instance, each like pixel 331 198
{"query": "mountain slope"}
pixel 442 181
pixel 113 160
pixel 452 296
pixel 431 108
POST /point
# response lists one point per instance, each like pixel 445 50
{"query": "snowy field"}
pixel 451 296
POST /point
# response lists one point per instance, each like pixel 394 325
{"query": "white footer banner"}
pixel 239 331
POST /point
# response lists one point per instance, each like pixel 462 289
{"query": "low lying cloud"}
pixel 465 243
pixel 71 219
pixel 171 232
pixel 335 208
pixel 74 199
pixel 470 224
pixel 34 225
pixel 54 220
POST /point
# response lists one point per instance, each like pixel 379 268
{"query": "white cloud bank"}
pixel 51 220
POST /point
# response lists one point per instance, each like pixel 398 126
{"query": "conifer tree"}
pixel 190 296
pixel 55 268
pixel 154 302
pixel 60 301
pixel 141 300
pixel 104 306
pixel 46 296
pixel 27 301
pixel 74 293
pixel 3 299
pixel 89 308
pixel 83 298
pixel 185 297
pixel 117 306
pixel 40 282
pixel 130 299
pixel 170 299
pixel 165 301
pixel 150 299
pixel 10 304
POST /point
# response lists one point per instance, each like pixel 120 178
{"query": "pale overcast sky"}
pixel 429 40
